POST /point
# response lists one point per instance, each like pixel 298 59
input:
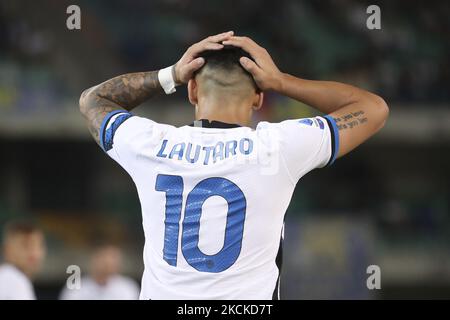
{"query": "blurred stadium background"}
pixel 386 203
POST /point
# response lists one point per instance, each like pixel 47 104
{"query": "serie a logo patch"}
pixel 313 122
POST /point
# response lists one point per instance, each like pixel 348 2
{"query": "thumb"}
pixel 194 65
pixel 249 65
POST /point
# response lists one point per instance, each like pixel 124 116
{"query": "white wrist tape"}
pixel 166 80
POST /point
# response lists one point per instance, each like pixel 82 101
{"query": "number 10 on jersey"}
pixel 173 187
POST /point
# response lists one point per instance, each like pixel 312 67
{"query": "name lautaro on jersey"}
pixel 192 153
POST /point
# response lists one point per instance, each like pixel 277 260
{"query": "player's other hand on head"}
pixel 266 74
pixel 189 62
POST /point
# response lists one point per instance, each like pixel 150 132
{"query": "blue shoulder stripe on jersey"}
pixel 106 136
pixel 334 138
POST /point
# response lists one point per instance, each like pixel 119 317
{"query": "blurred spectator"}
pixel 104 281
pixel 24 251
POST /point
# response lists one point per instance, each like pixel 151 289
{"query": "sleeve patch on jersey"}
pixel 109 127
pixel 334 138
pixel 320 122
pixel 312 122
pixel 308 122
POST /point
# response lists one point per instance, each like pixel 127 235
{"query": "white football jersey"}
pixel 213 199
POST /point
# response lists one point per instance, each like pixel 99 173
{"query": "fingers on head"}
pixel 199 62
pixel 197 48
pixel 244 40
pixel 193 66
pixel 213 46
pixel 248 65
pixel 211 42
pixel 196 63
pixel 220 37
pixel 242 43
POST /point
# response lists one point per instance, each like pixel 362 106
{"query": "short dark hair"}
pixel 226 58
pixel 20 227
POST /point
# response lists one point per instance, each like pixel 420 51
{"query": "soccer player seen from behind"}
pixel 214 193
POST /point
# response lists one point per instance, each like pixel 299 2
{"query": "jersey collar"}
pixel 205 123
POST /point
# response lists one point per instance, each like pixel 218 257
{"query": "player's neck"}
pixel 236 114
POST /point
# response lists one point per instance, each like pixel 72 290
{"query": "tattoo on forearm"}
pixel 351 120
pixel 123 92
pixel 130 90
pixel 95 116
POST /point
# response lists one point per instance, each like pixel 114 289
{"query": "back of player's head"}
pixel 223 72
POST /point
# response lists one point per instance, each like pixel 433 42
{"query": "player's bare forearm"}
pixel 325 96
pixel 123 92
pixel 359 114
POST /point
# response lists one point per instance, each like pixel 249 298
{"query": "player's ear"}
pixel 192 91
pixel 258 100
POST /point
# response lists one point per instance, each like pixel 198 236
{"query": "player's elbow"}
pixel 84 102
pixel 381 110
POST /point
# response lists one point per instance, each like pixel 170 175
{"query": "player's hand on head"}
pixel 189 62
pixel 266 74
